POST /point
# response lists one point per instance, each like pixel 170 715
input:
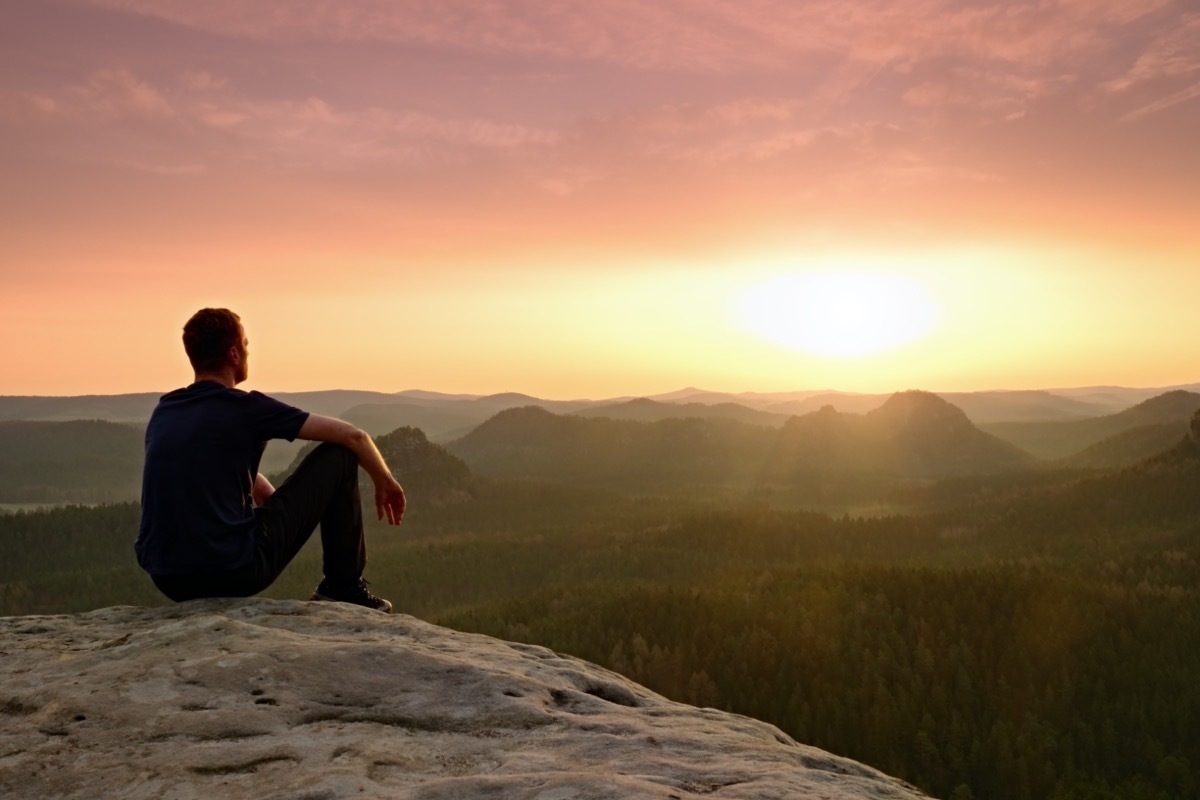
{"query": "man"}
pixel 212 526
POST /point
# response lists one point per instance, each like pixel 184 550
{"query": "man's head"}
pixel 214 340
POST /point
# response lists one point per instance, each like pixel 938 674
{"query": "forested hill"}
pixel 823 459
pixel 1163 490
pixel 113 408
pixel 431 476
pixel 82 461
pixel 1065 439
pixel 531 442
pixel 914 435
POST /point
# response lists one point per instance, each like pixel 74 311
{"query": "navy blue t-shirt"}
pixel 203 445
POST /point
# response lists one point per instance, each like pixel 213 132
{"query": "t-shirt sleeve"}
pixel 276 419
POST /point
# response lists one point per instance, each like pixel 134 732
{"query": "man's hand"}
pixel 389 499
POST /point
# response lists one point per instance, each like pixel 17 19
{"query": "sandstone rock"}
pixel 316 701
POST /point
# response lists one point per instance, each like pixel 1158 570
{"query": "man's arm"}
pixel 389 496
pixel 262 489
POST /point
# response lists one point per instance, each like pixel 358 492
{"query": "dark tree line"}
pixel 988 683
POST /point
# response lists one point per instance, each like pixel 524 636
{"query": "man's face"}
pixel 243 365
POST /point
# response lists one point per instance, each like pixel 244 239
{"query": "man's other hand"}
pixel 390 500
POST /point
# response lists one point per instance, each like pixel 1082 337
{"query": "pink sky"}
pixel 575 202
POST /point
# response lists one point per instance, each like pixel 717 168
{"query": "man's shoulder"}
pixel 207 397
pixel 259 398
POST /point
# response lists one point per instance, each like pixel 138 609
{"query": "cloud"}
pixel 203 81
pixel 991 94
pixel 564 98
pixel 630 32
pixel 687 35
pixel 27 107
pixel 1173 54
pixel 1190 93
pixel 991 57
pixel 689 119
pixel 166 170
pixel 116 92
pixel 201 117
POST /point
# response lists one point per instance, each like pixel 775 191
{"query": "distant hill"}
pixel 647 442
pixel 428 472
pixel 643 409
pixel 81 461
pixel 1129 447
pixel 914 435
pixel 112 408
pixel 445 417
pixel 980 407
pixel 1061 440
pixel 137 407
pixel 1155 490
pixel 986 407
pixel 380 418
pixel 332 403
pixel 1021 406
pixel 430 475
pixel 839 401
pixel 493 403
pixel 531 442
pixel 923 435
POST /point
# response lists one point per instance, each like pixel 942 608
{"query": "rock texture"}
pixel 314 701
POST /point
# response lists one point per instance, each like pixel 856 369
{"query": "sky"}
pixel 602 198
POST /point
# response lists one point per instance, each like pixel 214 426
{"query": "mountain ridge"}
pixel 913 436
pixel 1063 440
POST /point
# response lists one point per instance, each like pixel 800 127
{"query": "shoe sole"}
pixel 326 598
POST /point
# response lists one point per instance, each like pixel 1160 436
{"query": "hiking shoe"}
pixel 354 592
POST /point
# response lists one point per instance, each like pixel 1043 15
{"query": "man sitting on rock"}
pixel 212 526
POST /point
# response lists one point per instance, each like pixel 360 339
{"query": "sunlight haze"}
pixel 603 199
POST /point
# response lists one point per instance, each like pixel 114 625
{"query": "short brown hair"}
pixel 208 335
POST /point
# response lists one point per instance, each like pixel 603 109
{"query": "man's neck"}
pixel 224 377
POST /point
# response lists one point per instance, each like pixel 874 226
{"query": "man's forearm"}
pixel 327 429
pixel 369 457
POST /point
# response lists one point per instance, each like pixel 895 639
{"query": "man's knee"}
pixel 331 453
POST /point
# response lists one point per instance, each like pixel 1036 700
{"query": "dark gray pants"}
pixel 323 490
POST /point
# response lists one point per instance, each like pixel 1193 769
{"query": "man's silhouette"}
pixel 212 525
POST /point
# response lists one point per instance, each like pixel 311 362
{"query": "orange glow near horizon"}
pixel 602 204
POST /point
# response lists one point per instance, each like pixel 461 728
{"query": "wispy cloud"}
pixel 995 55
pixel 116 92
pixel 25 108
pixel 308 129
pixel 563 97
pixel 1190 93
pixel 679 34
pixel 1173 54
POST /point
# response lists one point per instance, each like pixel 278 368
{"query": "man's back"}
pixel 203 445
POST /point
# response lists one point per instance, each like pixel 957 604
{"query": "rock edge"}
pixel 320 701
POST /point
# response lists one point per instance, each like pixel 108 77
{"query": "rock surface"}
pixel 316 701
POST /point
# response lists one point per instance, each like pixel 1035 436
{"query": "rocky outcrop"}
pixel 308 701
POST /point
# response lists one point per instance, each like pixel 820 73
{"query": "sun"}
pixel 839 315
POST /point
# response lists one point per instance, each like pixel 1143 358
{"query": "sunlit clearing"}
pixel 839 314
